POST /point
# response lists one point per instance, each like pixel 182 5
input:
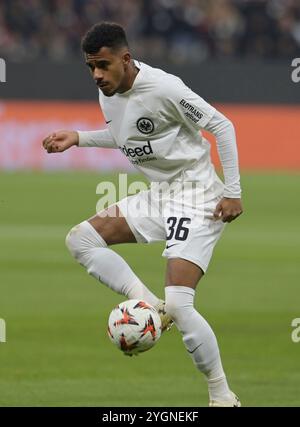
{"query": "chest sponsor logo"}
pixel 145 125
pixel 190 111
pixel 137 155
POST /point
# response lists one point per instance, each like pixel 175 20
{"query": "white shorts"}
pixel 184 221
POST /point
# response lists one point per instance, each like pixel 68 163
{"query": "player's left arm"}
pixel 230 206
pixel 185 106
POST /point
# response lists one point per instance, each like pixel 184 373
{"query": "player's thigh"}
pixel 181 272
pixel 188 259
pixel 143 217
pixel 112 226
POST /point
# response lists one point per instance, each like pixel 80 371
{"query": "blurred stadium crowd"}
pixel 176 30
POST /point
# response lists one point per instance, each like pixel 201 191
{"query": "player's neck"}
pixel 129 78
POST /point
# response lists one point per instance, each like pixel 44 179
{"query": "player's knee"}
pixel 74 242
pixel 82 239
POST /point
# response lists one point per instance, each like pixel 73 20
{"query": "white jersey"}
pixel 157 126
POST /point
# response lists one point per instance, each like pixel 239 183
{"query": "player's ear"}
pixel 126 57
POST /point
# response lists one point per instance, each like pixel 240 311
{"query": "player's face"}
pixel 110 70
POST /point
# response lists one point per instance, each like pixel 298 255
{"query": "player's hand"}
pixel 60 141
pixel 228 209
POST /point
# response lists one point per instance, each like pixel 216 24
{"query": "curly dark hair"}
pixel 104 34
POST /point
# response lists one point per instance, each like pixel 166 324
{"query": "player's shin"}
pixel 105 265
pixel 198 338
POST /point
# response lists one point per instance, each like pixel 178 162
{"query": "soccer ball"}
pixel 134 326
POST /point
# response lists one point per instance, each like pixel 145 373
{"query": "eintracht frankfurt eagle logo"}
pixel 145 125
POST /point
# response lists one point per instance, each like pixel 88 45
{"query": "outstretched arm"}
pixel 96 138
pixel 60 141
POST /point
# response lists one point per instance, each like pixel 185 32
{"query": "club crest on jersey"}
pixel 145 125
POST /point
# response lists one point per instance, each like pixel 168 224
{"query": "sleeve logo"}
pixel 191 112
pixel 145 125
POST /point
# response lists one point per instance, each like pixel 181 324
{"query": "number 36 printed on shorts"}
pixel 177 228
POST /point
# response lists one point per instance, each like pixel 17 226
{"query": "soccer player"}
pixel 156 121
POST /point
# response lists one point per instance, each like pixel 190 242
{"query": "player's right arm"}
pixel 62 140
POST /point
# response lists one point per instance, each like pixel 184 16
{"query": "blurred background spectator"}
pixel 181 31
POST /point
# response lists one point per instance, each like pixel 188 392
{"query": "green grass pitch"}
pixel 57 352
